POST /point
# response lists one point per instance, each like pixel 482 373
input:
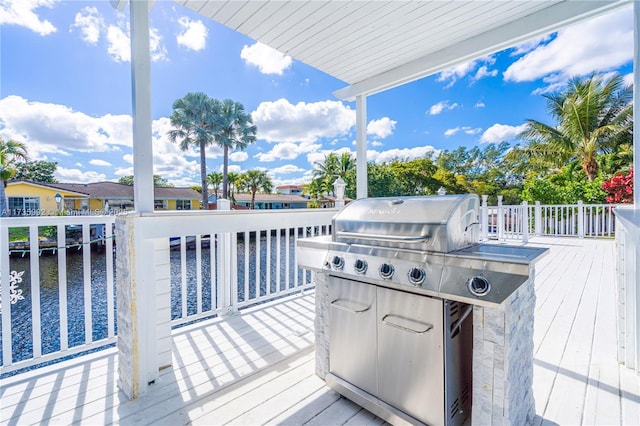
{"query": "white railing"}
pixel 50 281
pixel 58 295
pixel 520 222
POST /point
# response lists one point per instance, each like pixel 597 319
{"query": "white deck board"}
pixel 258 367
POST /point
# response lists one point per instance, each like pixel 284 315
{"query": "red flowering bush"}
pixel 619 188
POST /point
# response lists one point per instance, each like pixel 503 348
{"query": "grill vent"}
pixel 454 309
pixel 455 409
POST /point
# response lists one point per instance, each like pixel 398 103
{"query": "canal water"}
pixel 21 312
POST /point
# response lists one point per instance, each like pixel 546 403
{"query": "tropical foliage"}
pixel 194 124
pixel 36 171
pixel 234 130
pixel 11 152
pixel 215 179
pixel 253 181
pixel 158 181
pixel 199 121
pixel 593 116
pixel 619 188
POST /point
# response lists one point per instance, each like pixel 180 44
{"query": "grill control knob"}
pixel 360 266
pixel 479 286
pixel 337 262
pixel 416 276
pixel 386 271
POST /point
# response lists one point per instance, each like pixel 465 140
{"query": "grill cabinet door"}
pixel 352 332
pixel 410 354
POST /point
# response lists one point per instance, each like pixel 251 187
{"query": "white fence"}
pixel 520 222
pixel 57 288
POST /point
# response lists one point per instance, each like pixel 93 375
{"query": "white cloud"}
pixel 501 132
pixel 238 156
pixel 119 44
pixel 401 154
pixel 530 45
pixel 281 121
pixel 483 72
pixel 479 104
pixel 286 170
pixel 376 143
pixel 193 35
pixel 453 74
pixel 601 44
pixel 54 128
pixel 268 60
pixel 287 151
pixel 628 79
pixel 78 176
pixel 442 106
pixel 465 129
pixel 158 50
pixel 381 128
pixel 23 13
pixel 57 129
pixel 90 23
pixel 101 163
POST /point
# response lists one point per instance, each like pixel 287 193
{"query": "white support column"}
pixel 141 98
pixel 140 351
pixel 361 146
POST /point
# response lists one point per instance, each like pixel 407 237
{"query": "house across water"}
pixel 28 198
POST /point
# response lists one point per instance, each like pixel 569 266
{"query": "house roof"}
pixel 376 45
pixel 117 190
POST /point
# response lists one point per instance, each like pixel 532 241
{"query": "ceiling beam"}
pixel 534 25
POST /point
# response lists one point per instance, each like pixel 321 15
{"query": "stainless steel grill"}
pixel 403 274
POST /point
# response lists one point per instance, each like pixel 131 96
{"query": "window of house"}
pixel 183 204
pixel 24 206
pixel 160 204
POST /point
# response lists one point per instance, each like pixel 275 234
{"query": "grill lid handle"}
pixel 387 238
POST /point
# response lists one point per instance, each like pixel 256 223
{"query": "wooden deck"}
pixel 258 367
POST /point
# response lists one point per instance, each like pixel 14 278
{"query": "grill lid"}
pixel 436 223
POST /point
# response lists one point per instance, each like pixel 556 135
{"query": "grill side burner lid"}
pixel 434 223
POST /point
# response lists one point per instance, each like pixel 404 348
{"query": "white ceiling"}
pixel 375 45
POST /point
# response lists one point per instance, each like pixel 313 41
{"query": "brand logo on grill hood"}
pixel 384 211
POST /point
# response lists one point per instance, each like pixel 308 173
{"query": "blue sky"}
pixel 65 90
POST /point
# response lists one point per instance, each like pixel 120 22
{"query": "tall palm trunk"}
pixel 203 176
pixel 225 172
pixel 4 201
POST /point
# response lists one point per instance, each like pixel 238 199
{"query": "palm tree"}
pixel 254 181
pixel 314 190
pixel 234 130
pixel 10 152
pixel 215 179
pixel 593 116
pixel 232 179
pixel 194 122
pixel 333 167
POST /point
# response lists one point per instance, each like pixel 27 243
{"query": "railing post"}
pixel 500 219
pixel 580 219
pixel 227 259
pixel 525 222
pixel 537 219
pixel 484 219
